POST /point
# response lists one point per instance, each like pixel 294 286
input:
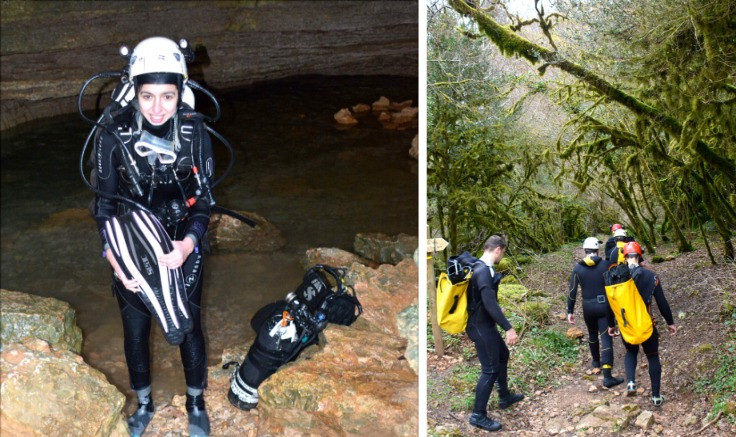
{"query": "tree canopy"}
pixel 648 91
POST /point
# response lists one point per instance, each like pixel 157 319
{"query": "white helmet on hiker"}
pixel 591 243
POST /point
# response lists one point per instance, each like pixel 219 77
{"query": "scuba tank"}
pixel 286 327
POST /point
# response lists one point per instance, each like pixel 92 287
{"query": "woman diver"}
pixel 154 154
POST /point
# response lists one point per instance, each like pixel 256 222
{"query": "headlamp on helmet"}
pixel 158 60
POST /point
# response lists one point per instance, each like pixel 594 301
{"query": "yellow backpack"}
pixel 620 245
pixel 632 314
pixel 452 303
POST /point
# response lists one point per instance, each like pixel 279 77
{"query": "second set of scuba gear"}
pixel 286 327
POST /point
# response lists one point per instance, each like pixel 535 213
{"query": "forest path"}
pixel 695 290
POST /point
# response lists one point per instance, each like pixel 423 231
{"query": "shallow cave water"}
pixel 318 182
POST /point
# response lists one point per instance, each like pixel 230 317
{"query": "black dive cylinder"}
pixel 284 329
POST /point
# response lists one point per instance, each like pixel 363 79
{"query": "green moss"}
pixel 705 347
pixel 511 293
pixel 508 279
pixel 505 265
pixel 657 259
pixel 538 312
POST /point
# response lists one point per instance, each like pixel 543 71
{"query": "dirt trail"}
pixel 695 291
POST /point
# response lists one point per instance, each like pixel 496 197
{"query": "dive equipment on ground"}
pixel 137 239
pixel 627 305
pixel 452 296
pixel 284 328
pixel 338 302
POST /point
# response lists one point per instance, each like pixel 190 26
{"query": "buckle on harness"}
pixel 601 298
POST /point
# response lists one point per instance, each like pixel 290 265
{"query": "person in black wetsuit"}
pixel 483 315
pixel 588 275
pixel 649 286
pixel 611 242
pixel 616 245
pixel 164 183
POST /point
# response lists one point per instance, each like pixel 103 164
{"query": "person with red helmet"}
pixel 649 286
pixel 611 242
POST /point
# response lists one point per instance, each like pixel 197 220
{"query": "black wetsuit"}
pixel 649 286
pixel 196 149
pixel 610 244
pixel 590 279
pixel 483 315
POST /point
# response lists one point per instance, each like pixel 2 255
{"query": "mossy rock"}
pixel 505 265
pixel 657 259
pixel 537 311
pixel 509 279
pixel 524 259
pixel 702 348
pixel 511 293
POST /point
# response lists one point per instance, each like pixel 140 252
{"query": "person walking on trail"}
pixel 588 275
pixel 615 255
pixel 484 314
pixel 611 243
pixel 649 286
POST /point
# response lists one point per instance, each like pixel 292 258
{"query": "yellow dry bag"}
pixel 631 312
pixel 452 303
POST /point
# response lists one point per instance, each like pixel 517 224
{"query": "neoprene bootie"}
pixel 139 420
pixel 199 423
pixel 484 422
pixel 609 380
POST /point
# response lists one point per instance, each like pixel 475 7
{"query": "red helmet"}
pixel 616 226
pixel 632 247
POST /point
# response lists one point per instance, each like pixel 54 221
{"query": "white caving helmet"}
pixel 591 243
pixel 619 232
pixel 157 60
pixel 157 55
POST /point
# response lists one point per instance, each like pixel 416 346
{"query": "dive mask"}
pixel 150 144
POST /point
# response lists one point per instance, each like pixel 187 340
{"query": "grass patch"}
pixel 545 353
pixel 720 384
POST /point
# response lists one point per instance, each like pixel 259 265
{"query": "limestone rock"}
pixel 384 292
pixel 26 316
pixel 381 105
pixel 54 392
pixel 574 333
pixel 354 384
pixel 361 109
pixel 43 46
pixel 343 116
pixel 334 257
pixel 384 117
pixel 385 249
pixel 406 115
pixel 398 106
pixel 407 322
pixel 645 420
pixel 589 421
pixel 228 234
pixel 556 425
pixel 414 150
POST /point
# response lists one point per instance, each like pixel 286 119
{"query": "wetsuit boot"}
pixel 199 423
pixel 609 380
pixel 505 397
pixel 139 420
pixel 484 422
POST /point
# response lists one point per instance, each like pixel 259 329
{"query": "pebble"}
pixel 592 389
